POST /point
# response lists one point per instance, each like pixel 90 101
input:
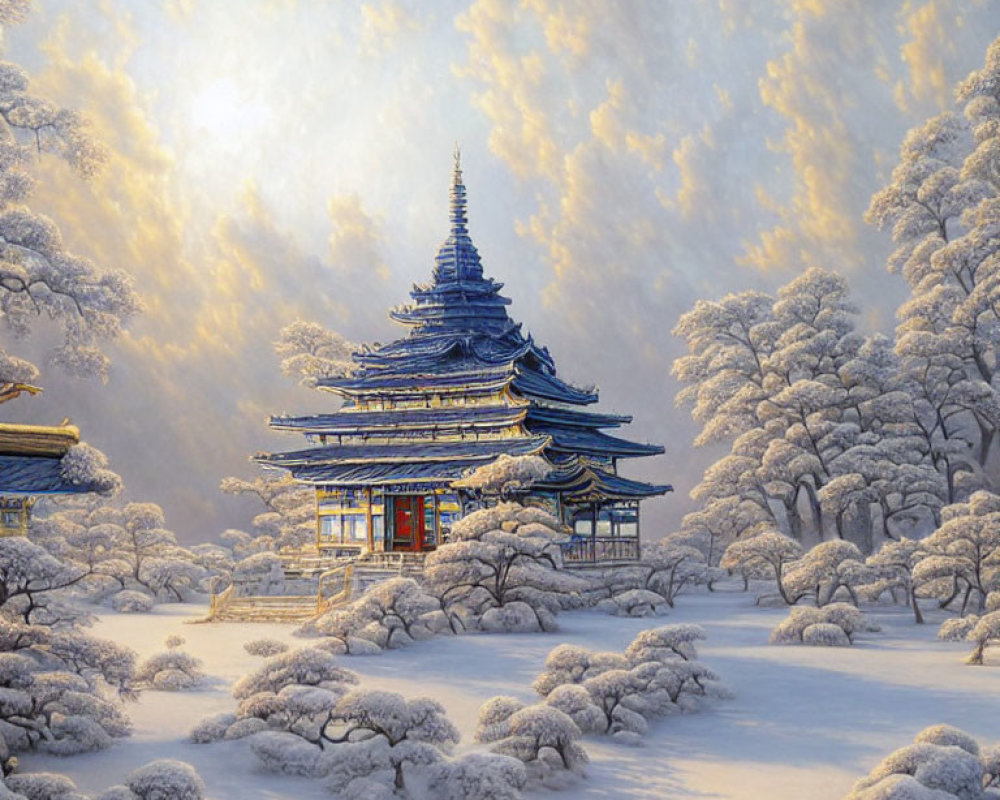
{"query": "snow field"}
pixel 804 722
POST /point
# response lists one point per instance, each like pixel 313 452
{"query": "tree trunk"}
pixel 912 598
pixel 398 783
pixel 976 656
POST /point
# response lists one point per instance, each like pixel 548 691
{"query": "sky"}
pixel 281 159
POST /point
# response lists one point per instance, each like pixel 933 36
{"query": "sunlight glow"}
pixel 227 110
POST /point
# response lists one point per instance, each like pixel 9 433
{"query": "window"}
pixel 12 519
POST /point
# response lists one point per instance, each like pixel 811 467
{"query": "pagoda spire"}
pixel 458 218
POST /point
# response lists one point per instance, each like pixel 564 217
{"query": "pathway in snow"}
pixel 804 722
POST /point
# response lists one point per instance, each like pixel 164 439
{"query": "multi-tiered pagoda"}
pixel 464 387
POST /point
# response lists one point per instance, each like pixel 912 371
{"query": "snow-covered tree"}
pixel 379 735
pixel 39 277
pixel 984 633
pixel 667 568
pixel 963 555
pixel 941 203
pixel 503 570
pixel 308 352
pixel 770 553
pixel 825 569
pixel 545 739
pixel 505 477
pixel 943 763
pixel 894 563
pixel 288 519
pixel 58 688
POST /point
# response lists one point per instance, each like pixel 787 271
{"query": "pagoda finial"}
pixel 457 216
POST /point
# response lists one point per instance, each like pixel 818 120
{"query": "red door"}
pixel 408 533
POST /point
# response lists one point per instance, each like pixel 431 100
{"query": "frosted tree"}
pixel 722 520
pixel 308 352
pixel 941 205
pixel 963 555
pixel 667 568
pixel 39 277
pixel 391 614
pixel 504 570
pixel 894 563
pixel 55 688
pixel 768 554
pixel 288 517
pixel 825 569
pixel 375 733
pixel 984 633
pixel 505 477
pixel 943 763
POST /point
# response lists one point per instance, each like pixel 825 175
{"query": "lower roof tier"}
pixel 457 450
pixel 575 484
pixel 35 475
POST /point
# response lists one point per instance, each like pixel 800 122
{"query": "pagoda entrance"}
pixel 409 532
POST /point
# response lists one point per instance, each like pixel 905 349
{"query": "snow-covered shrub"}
pixel 479 776
pixel 265 647
pixel 943 763
pixel 825 634
pixel 43 786
pixel 260 574
pixel 173 641
pixel 545 739
pixel 846 617
pixel 280 751
pixel 213 728
pixel 957 628
pixel 245 727
pixel 616 693
pixel 498 556
pixel 170 671
pixel 166 779
pixel 129 601
pixel 633 603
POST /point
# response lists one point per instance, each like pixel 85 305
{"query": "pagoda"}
pixel 465 386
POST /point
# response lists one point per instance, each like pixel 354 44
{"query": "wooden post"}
pixel 593 531
pixel 318 520
pixel 638 545
pixel 368 519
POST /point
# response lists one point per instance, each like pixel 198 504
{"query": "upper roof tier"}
pixel 460 326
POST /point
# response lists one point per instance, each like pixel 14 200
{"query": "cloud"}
pixel 383 23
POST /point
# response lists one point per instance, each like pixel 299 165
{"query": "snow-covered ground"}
pixel 804 722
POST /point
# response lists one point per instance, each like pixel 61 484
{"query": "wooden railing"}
pixel 325 599
pixel 217 602
pixel 602 549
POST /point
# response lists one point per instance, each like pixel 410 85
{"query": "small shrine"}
pixel 465 386
pixel 31 465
